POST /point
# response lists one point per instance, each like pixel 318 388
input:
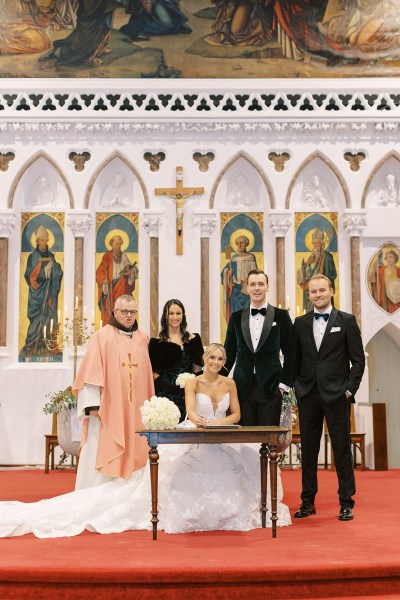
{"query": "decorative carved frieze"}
pixel 269 130
pixel 306 103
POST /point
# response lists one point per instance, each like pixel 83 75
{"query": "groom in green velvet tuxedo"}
pixel 254 339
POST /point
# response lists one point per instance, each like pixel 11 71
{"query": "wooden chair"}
pixel 51 442
pixel 357 443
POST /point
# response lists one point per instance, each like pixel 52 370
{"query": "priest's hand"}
pixel 95 413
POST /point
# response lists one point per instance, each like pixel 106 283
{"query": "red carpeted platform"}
pixel 318 557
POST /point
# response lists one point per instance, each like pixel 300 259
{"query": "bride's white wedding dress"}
pixel 201 488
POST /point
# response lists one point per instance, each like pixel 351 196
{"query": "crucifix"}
pixel 179 194
pixel 129 366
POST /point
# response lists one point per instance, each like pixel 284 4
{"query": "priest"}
pixel 114 380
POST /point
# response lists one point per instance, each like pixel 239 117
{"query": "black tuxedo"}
pixel 276 335
pixel 321 378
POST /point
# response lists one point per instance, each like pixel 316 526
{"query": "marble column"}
pixel 151 222
pixel 79 224
pixel 354 223
pixel 7 223
pixel 280 221
pixel 207 221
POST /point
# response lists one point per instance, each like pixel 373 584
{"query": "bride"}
pixel 201 487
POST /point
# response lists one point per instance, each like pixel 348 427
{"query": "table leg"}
pixel 362 450
pixel 273 469
pixel 264 482
pixel 153 457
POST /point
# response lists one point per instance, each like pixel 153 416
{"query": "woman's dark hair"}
pixel 164 321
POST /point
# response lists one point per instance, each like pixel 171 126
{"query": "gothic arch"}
pixel 255 165
pixel 378 166
pixel 101 168
pixel 28 165
pixel 389 329
pixel 330 165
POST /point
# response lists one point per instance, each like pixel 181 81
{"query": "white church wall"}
pixel 314 144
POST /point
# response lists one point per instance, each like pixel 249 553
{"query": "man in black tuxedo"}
pixel 330 363
pixel 254 339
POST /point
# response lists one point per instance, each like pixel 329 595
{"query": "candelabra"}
pixel 73 333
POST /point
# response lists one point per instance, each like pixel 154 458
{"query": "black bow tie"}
pixel 325 316
pixel 255 311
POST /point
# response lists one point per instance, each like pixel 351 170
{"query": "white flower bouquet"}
pixel 182 379
pixel 160 413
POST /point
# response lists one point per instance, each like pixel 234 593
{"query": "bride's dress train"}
pixel 201 488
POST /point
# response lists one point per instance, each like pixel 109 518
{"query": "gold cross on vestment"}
pixel 129 366
pixel 179 193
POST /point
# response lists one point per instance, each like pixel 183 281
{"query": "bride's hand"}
pixel 201 421
pixel 198 420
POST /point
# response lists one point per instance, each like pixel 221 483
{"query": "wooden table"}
pixel 270 438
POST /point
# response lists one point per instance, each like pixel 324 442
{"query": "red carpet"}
pixel 318 557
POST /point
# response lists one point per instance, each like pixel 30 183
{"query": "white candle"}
pixel 44 332
pixel 288 301
pixel 101 323
pixel 51 325
pixel 279 306
pixel 65 312
pixel 304 311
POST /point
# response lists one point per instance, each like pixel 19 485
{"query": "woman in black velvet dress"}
pixel 175 351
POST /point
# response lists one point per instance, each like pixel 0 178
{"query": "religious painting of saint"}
pixel 241 252
pixel 383 277
pixel 41 285
pixel 117 261
pixel 316 251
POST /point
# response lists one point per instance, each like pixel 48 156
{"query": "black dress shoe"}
pixel 345 513
pixel 305 510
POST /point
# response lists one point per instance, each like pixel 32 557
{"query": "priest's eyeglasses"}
pixel 125 312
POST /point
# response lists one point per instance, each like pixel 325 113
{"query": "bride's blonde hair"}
pixel 211 348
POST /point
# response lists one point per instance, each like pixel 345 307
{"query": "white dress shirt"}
pixel 256 324
pixel 319 326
